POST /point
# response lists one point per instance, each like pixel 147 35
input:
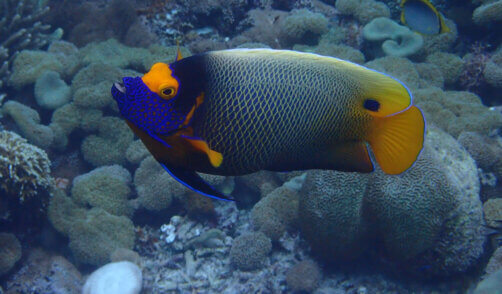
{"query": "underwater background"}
pixel 79 191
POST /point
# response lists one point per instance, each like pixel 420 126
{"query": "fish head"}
pixel 150 102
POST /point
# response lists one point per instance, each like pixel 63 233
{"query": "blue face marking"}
pixel 145 109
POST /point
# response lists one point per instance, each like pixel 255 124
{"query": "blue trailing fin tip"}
pixel 194 182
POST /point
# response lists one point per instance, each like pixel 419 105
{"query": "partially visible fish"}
pixel 422 17
pixel 235 112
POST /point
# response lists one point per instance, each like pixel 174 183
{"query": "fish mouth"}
pixel 120 87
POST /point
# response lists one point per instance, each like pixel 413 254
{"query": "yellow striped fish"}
pixel 234 112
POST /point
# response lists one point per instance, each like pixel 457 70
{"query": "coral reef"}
pixel 10 252
pixel 250 251
pixel 303 26
pixel 21 27
pixel 341 213
pixel 363 10
pixel 488 13
pixel 155 188
pixel 24 168
pixel 276 212
pixel 109 146
pixel 493 211
pixel 94 234
pixel 304 276
pixel 43 272
pixel 457 111
pixel 451 65
pixel 105 187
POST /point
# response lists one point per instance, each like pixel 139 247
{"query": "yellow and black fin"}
pixel 396 140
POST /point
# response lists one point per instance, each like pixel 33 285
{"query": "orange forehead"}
pixel 159 77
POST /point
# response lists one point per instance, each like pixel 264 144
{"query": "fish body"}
pixel 422 17
pixel 235 112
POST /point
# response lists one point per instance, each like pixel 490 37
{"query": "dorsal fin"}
pixel 178 51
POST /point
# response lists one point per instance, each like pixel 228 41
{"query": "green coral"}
pixel 109 146
pixel 106 187
pixel 95 96
pixel 363 10
pixel 430 75
pixel 398 67
pixel 28 121
pixel 95 238
pixel 249 251
pixel 303 25
pixel 397 40
pixel 273 214
pixel 339 51
pixel 451 65
pixel 457 111
pixel 29 65
pixel 136 152
pixel 94 234
pixel 155 187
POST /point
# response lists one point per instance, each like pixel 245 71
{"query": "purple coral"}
pixel 475 62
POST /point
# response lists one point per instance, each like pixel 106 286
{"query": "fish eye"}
pixel 371 105
pixel 168 93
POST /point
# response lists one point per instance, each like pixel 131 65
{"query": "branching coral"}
pixel 24 168
pixel 21 27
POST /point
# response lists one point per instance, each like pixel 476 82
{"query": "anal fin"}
pixel 194 182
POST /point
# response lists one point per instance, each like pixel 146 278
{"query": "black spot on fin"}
pixel 194 182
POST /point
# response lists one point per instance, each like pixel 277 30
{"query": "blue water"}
pixel 80 191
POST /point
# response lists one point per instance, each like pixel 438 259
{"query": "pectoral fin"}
pixel 215 158
pixel 194 182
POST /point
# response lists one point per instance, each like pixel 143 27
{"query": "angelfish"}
pixel 234 112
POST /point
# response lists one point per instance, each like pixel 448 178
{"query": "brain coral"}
pixel 273 214
pixel 106 187
pixel 304 276
pixel 330 213
pixel 428 216
pixel 249 251
pixel 24 168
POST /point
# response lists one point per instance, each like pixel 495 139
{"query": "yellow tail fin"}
pixel 397 140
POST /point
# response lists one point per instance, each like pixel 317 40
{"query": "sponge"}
pixel 115 278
